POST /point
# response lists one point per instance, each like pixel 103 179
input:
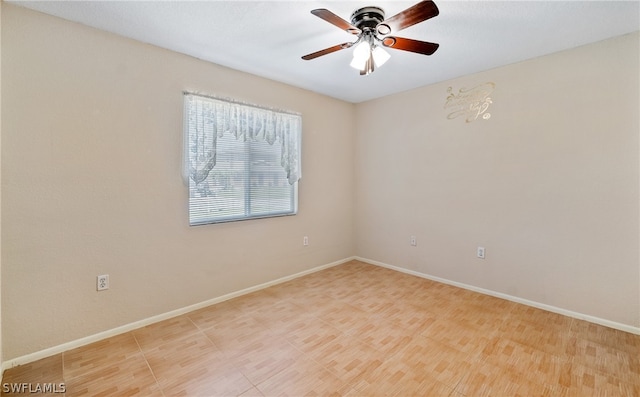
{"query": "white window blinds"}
pixel 242 161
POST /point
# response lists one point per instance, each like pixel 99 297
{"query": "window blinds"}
pixel 242 161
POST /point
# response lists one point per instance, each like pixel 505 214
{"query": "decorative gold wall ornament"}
pixel 470 103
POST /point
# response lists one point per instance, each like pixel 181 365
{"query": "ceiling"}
pixel 268 38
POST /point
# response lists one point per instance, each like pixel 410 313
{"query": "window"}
pixel 242 161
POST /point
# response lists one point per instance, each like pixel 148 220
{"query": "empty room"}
pixel 323 198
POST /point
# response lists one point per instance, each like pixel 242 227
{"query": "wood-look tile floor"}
pixel 353 330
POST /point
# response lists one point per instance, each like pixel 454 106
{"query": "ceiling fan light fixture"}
pixel 369 66
pixel 362 51
pixel 358 63
pixel 380 56
pixel 361 54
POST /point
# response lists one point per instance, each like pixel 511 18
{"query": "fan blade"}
pixel 335 20
pixel 399 43
pixel 417 13
pixel 327 51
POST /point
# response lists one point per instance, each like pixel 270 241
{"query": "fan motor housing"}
pixel 367 18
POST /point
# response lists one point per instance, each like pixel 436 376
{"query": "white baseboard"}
pixel 569 313
pixel 154 319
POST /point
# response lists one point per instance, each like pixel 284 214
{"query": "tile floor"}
pixel 353 330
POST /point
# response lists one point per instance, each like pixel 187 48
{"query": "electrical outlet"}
pixel 305 241
pixel 480 252
pixel 102 282
pixel 413 241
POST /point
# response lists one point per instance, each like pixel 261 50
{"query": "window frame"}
pixel 248 173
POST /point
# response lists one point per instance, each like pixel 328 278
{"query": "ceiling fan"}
pixel 373 30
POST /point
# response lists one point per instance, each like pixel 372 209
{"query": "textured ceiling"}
pixel 267 38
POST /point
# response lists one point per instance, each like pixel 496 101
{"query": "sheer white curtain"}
pixel 210 118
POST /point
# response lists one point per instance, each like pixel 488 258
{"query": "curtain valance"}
pixel 210 118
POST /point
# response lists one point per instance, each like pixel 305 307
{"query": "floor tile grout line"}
pixel 202 331
pixel 91 370
pixel 255 385
pixel 148 364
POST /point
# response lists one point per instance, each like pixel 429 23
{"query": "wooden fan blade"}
pixel 335 20
pixel 417 13
pixel 327 51
pixel 399 43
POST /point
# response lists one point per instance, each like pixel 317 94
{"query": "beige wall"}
pixel 548 185
pixel 91 184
